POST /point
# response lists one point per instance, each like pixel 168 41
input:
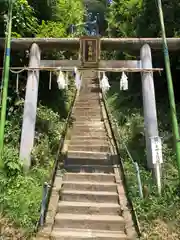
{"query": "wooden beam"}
pixel 61 63
pixel 70 69
pixel 102 64
pixel 44 43
pixel 134 44
pixel 123 44
pixel 119 64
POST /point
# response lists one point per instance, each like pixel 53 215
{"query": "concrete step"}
pixel 93 112
pixel 95 107
pixel 86 161
pixel 82 114
pixel 86 114
pixel 85 103
pixel 87 118
pixel 89 127
pixel 89 208
pixel 89 85
pixel 77 128
pixel 86 154
pixel 89 196
pixel 92 148
pixel 90 93
pixel 87 132
pixel 82 221
pixel 88 98
pixel 89 186
pixel 89 124
pixel 92 177
pixel 79 107
pixel 86 234
pixel 87 142
pixel 90 139
pixel 89 168
pixel 87 158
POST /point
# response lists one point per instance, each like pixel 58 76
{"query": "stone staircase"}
pixel 91 198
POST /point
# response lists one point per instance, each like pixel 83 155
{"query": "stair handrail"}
pixel 47 187
pixel 119 136
pixel 114 131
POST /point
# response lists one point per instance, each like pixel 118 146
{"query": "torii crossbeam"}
pixel 125 44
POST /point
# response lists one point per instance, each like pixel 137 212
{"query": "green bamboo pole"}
pixel 175 127
pixel 5 78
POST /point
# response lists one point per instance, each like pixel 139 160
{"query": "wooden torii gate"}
pixel 90 52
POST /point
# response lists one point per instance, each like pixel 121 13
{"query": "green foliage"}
pixel 69 12
pixel 64 13
pixel 44 9
pixel 12 165
pixel 158 215
pixel 122 17
pixel 24 20
pixel 133 18
pixel 24 24
pixel 21 195
pixel 51 29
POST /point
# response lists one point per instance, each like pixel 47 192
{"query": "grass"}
pixel 21 194
pixel 159 216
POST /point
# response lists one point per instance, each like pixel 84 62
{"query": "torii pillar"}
pixel 30 108
pixel 149 103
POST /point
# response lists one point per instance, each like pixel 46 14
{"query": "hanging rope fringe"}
pixel 50 80
pixel 17 78
pixel 61 80
pixel 77 78
pixel 99 76
pixel 17 83
pixel 104 83
pixel 17 72
pixel 124 82
pixel 67 80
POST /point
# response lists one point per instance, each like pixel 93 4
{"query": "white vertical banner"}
pixel 157 159
pixel 156 148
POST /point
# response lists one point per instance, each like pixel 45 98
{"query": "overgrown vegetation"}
pixel 21 194
pixel 158 216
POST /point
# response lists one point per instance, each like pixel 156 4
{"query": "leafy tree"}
pixel 24 20
pixel 122 17
pixel 149 24
pixel 51 29
pixel 138 18
pixel 43 9
pixel 69 12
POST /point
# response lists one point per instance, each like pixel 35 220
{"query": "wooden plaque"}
pixel 90 51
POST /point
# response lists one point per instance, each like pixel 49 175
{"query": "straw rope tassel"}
pixel 17 83
pixel 67 80
pixel 50 80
